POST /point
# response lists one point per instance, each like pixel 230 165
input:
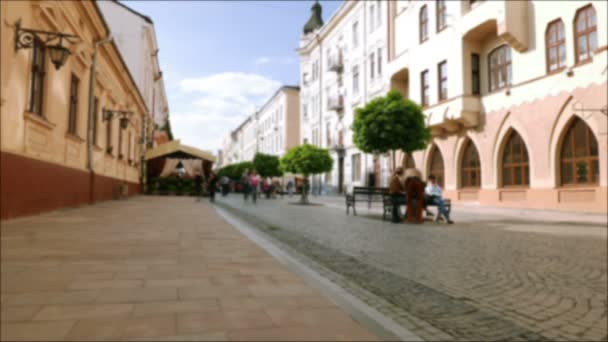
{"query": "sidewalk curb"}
pixel 376 322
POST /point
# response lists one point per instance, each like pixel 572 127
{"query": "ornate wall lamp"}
pixel 26 38
pixel 124 116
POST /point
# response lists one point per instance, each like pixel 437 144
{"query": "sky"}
pixel 222 59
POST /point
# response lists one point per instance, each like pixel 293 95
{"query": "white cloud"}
pixel 212 106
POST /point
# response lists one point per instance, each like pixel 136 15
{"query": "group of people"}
pixel 211 185
pixel 407 189
pixel 252 183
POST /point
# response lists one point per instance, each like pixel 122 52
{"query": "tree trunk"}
pixel 394 162
pixel 304 198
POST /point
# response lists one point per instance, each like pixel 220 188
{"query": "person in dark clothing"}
pixel 245 184
pixel 212 185
pixel 198 186
pixel 397 192
pixel 414 191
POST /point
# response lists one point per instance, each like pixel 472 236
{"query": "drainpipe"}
pixel 90 125
pixel 319 177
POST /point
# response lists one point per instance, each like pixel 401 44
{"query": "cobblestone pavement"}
pixel 151 269
pixel 484 278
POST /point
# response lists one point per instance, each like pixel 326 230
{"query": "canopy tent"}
pixel 162 161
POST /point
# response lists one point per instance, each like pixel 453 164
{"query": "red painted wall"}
pixel 29 186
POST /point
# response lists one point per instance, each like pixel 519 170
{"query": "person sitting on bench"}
pixel 433 192
pixel 414 191
pixel 397 192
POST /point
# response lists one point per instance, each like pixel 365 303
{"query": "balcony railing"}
pixel 335 63
pixel 335 103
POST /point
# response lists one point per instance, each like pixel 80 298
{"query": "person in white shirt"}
pixel 433 192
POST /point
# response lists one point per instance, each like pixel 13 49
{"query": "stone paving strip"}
pixel 153 268
pixel 476 280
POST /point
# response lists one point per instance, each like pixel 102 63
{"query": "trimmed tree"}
pixel 306 160
pixel 267 165
pixel 390 123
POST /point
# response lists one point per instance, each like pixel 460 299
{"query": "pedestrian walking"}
pixel 254 182
pixel 245 184
pixel 290 187
pixel 198 186
pixel 224 183
pixel 212 185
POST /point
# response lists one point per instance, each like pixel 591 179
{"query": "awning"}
pixel 174 147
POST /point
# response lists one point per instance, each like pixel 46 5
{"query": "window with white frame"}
pixel 372 68
pixel 355 80
pixel 355 34
pixel 356 167
pixel 379 57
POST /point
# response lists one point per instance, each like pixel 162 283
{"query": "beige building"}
pixel 516 95
pixel 53 156
pixel 273 129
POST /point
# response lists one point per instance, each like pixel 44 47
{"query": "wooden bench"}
pixel 388 206
pixel 365 194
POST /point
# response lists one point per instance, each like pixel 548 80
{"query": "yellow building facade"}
pixel 52 154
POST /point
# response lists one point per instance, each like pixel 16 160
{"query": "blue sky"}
pixel 221 59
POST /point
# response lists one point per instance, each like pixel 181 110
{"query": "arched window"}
pixel 555 43
pixel 500 67
pixel 515 164
pixel 579 155
pixel 423 21
pixel 436 168
pixel 440 15
pixel 470 168
pixel 408 161
pixel 585 33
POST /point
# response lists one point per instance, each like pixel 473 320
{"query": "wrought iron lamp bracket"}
pixel 25 38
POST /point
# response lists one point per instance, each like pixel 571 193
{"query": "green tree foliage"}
pixel 267 165
pixel 390 123
pixel 235 171
pixel 306 160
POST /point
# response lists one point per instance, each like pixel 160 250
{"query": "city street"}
pixel 153 268
pixel 487 277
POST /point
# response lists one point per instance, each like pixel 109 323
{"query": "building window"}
pixel 441 15
pixel 73 108
pixel 515 165
pixel 356 167
pixel 109 136
pixel 129 147
pixel 442 75
pixel 37 85
pixel 328 134
pixel 379 56
pixel 579 155
pixel 355 80
pixel 355 34
pixel 95 118
pixel 372 66
pixel 475 76
pixel 424 88
pixel 379 13
pixel 436 168
pixel 120 155
pixel 372 17
pixel 423 21
pixel 470 167
pixel 555 42
pixel 585 33
pixel 500 67
pixel 408 161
